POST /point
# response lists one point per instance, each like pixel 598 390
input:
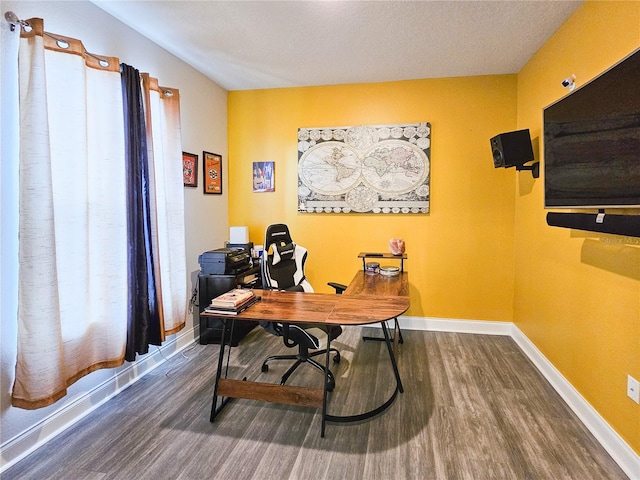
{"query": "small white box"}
pixel 238 234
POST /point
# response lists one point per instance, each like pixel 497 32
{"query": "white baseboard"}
pixel 456 326
pixel 31 439
pixel 620 451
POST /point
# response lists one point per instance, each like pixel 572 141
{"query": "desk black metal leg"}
pixel 381 408
pixel 397 328
pixel 214 401
pixel 327 380
pixel 392 356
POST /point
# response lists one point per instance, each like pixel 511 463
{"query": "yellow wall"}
pixel 461 254
pixel 577 294
pixel 485 251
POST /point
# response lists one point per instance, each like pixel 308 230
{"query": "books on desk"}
pixel 233 298
pixel 232 302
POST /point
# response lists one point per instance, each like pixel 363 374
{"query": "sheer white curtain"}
pixel 72 223
pixel 162 108
pixel 9 153
pixel 72 293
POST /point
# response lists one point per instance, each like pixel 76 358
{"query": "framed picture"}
pixel 365 169
pixel 264 179
pixel 212 169
pixel 189 169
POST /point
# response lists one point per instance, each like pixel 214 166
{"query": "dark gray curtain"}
pixel 143 322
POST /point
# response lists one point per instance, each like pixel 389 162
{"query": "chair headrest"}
pixel 277 233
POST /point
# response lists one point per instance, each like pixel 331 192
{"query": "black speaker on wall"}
pixel 512 149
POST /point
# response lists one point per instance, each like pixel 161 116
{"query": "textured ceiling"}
pixel 270 44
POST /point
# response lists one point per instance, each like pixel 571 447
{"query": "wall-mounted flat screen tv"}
pixel 592 142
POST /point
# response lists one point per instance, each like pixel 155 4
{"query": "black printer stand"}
pixel 209 287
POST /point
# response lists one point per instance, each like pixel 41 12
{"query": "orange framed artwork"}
pixel 189 169
pixel 212 169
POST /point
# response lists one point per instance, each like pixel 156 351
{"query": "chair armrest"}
pixel 339 287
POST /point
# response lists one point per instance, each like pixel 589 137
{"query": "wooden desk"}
pixel 380 286
pixel 368 299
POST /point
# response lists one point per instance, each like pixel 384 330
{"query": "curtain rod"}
pixel 13 19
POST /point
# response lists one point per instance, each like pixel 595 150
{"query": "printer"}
pixel 225 261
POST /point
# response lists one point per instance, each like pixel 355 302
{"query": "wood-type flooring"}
pixel 474 407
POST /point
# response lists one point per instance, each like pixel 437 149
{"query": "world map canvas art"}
pixel 364 169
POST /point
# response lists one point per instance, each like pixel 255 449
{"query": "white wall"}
pixel 204 127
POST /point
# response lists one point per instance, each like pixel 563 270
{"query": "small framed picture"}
pixel 190 169
pixel 212 169
pixel 264 179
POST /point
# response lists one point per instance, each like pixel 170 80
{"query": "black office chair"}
pixel 283 269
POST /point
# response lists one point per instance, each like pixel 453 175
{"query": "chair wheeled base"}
pixel 305 357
